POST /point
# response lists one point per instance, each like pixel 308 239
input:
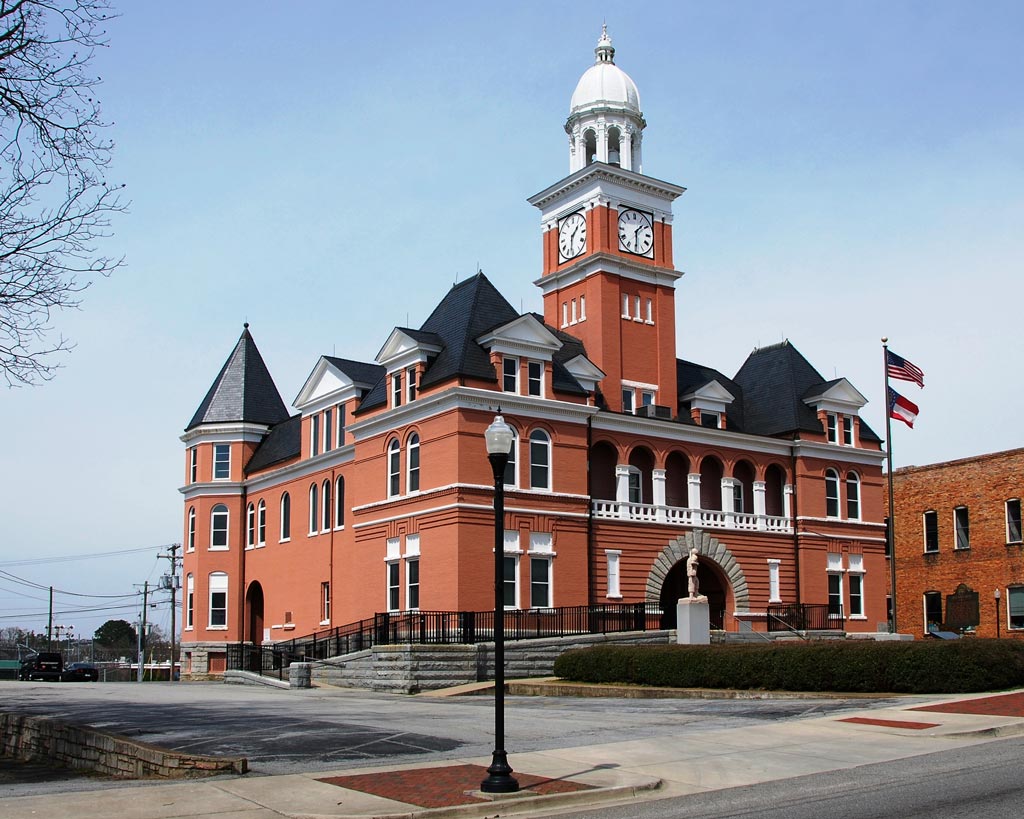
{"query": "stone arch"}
pixel 707 546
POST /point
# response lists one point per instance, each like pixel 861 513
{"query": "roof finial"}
pixel 245 325
pixel 604 51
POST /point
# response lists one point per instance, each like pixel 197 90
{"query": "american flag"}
pixel 898 367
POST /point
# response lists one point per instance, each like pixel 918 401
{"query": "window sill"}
pixel 190 628
pixel 216 628
pixel 285 540
pixel 613 596
pixel 1015 543
pixel 858 617
pixel 220 548
pixel 325 622
pixel 249 548
pixel 651 323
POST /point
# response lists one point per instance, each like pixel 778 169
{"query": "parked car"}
pixel 47 665
pixel 80 672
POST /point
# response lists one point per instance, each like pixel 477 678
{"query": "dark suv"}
pixel 49 665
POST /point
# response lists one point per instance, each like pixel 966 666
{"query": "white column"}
pixel 638 153
pixel 787 500
pixel 759 504
pixel 602 142
pixel 658 490
pixel 626 149
pixel 728 501
pixel 622 489
pixel 693 490
pixel 578 159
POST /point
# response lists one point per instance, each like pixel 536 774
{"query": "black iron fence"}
pixel 805 617
pixel 448 627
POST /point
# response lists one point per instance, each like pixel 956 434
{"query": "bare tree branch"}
pixel 55 203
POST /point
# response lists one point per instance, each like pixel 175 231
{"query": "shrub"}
pixel 919 667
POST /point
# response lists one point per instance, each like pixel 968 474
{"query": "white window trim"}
pixel 636 304
pixel 339 502
pixel 838 495
pixel 924 531
pixel 565 314
pixel 227 529
pixel 540 365
pixel 857 482
pixel 411 384
pixel 408 464
pixel 650 312
pixel 413 558
pixel 190 538
pixel 396 389
pixel 504 360
pixel 514 459
pixel 281 537
pixel 213 466
pixel 193 466
pixel 209 599
pixel 326 505
pixel 774 580
pixel 548 558
pixel 1020 522
pixel 314 510
pixel 388 586
pixel 394 467
pixel 261 524
pixel 625 306
pixel 572 312
pixel 190 602
pixel 1006 614
pixel 613 558
pixel 956 529
pixel 549 446
pixel 314 435
pixel 583 308
pixel 832 428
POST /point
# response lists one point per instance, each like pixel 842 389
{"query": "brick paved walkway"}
pixel 891 723
pixel 1001 705
pixel 443 786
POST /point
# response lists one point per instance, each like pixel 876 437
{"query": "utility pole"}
pixel 142 630
pixel 173 585
pixel 49 624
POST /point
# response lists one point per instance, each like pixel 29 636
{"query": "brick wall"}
pixel 983 485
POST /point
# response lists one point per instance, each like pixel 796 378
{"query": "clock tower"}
pixel 608 277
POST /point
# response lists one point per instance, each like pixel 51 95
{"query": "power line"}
pixel 33 585
pixel 67 558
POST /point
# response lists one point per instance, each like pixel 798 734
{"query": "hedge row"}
pixel 918 667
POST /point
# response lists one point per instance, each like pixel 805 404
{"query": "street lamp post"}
pixel 997 596
pixel 499 437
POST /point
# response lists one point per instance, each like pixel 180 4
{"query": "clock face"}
pixel 636 232
pixel 572 236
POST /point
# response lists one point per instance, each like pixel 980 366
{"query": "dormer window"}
pixel 535 378
pixel 410 377
pixel 847 430
pixel 510 374
pixel 709 420
pixel 396 389
pixel 627 400
pixel 831 427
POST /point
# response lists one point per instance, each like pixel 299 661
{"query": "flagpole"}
pixel 891 529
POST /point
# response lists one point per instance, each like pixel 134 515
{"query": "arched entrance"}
pixel 720 576
pixel 254 614
pixel 676 586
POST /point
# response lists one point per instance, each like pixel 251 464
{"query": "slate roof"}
pixel 561 379
pixel 359 371
pixel 242 391
pixel 282 443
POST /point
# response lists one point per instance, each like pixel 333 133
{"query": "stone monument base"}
pixel 693 621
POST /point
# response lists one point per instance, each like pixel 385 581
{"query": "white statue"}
pixel 693 583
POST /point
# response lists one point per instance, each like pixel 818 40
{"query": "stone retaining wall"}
pixel 46 741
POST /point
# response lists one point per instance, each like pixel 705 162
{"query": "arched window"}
pixel 261 523
pixel 852 496
pixel 325 523
pixel 314 508
pixel 218 600
pixel 412 482
pixel 511 474
pixel 286 517
pixel 831 493
pixel 219 527
pixel 590 146
pixel 394 468
pixel 191 528
pixel 339 502
pixel 250 526
pixel 540 460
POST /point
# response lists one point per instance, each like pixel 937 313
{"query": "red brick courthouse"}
pixel 375 493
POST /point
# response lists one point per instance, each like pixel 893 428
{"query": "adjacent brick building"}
pixel 376 495
pixel 958 527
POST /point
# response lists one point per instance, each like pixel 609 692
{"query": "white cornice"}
pixel 520 510
pixel 686 433
pixel 209 489
pixel 599 172
pixel 307 466
pixel 608 263
pixel 224 433
pixel 836 453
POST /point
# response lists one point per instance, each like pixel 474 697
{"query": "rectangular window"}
pixel 193 466
pixel 221 462
pixel 636 492
pixel 314 436
pixel 931 531
pixel 535 377
pixel 412 584
pixel 218 600
pixel 650 311
pixel 510 581
pixel 540 583
pixel 572 320
pixel 737 498
pixel 190 602
pixel 625 306
pixel 396 390
pixel 835 595
pixel 1013 521
pixel 962 527
pixel 325 603
pixel 583 308
pixel 510 374
pixel 709 420
pixel 636 313
pixel 774 587
pixel 328 430
pixel 614 583
pixel 341 425
pixel 627 400
pixel 856 595
pixel 932 610
pixel 1015 600
pixel 646 399
pixel 410 378
pixel 565 314
pixel 831 427
pixel 847 430
pixel 393 582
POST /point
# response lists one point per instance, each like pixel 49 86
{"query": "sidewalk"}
pixel 568 777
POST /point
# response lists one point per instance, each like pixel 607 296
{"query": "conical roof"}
pixel 243 391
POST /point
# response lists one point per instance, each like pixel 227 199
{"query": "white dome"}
pixel 605 85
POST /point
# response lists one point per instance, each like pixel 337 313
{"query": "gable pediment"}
pixel 525 335
pixel 326 384
pixel 585 371
pixel 713 392
pixel 836 396
pixel 402 350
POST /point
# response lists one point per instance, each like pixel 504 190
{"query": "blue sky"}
pixel 326 171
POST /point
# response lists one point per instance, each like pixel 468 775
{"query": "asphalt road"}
pixel 978 782
pixel 289 731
